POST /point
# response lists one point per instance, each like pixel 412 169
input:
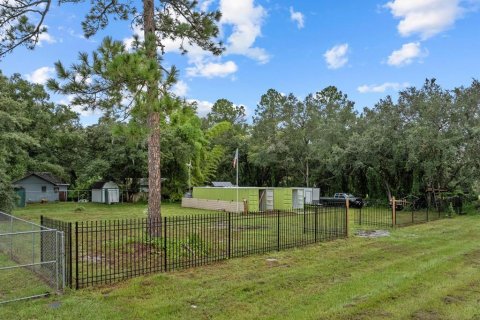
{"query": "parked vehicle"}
pixel 399 204
pixel 355 202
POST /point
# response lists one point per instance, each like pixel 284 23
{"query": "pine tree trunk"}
pixel 153 121
pixel 154 176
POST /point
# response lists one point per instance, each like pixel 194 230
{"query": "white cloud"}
pixel 337 57
pixel 79 78
pixel 297 17
pixel 45 37
pixel 180 88
pixel 137 31
pixel 203 107
pixel 41 75
pixel 212 69
pixel 246 20
pixel 205 4
pixel 382 87
pixel 406 54
pixel 425 17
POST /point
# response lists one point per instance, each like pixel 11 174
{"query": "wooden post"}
pixel 394 212
pixel 413 216
pixel 347 214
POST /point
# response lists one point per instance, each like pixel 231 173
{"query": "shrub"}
pixel 79 209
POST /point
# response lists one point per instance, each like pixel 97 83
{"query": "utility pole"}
pixel 189 166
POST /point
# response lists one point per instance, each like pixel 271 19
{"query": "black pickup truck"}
pixel 339 200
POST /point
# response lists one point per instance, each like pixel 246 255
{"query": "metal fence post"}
pixel 229 248
pixel 33 243
pixel 165 251
pixel 304 220
pixel 62 256
pixel 360 216
pixel 394 212
pixel 76 256
pixel 347 218
pixel 278 230
pixel 11 237
pixel 41 240
pixel 56 259
pixel 70 262
pixel 316 223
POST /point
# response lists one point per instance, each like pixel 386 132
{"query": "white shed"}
pixel 298 198
pixel 105 192
pixel 312 195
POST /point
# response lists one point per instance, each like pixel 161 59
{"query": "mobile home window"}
pixel 55 189
pixel 44 188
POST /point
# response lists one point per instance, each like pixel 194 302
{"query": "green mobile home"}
pixel 249 198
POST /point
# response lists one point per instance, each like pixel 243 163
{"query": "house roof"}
pixel 47 176
pixel 98 184
pixel 224 184
pixel 101 184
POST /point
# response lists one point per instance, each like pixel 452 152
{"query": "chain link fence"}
pixel 79 196
pixel 32 260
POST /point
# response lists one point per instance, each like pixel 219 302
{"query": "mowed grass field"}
pixel 426 271
pixel 72 211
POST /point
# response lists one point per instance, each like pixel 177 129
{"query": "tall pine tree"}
pixel 162 21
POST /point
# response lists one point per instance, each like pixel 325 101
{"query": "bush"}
pixel 450 210
pixel 79 209
pixel 7 195
pixel 476 205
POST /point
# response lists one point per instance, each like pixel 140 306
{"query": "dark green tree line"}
pixel 428 138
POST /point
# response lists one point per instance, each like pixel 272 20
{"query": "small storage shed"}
pixel 226 197
pixel 312 195
pixel 105 192
pixel 255 198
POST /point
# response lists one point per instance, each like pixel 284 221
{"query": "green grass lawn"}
pixel 71 211
pixel 426 271
pixel 16 283
pixel 120 249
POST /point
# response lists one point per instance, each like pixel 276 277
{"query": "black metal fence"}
pixel 403 213
pixel 101 252
pixel 374 213
pixel 409 215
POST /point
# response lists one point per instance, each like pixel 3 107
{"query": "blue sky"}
pixel 368 49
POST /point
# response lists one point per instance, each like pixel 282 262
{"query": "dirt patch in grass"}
pixel 272 262
pixel 373 314
pixel 472 258
pixel 453 299
pixel 372 233
pixel 426 315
